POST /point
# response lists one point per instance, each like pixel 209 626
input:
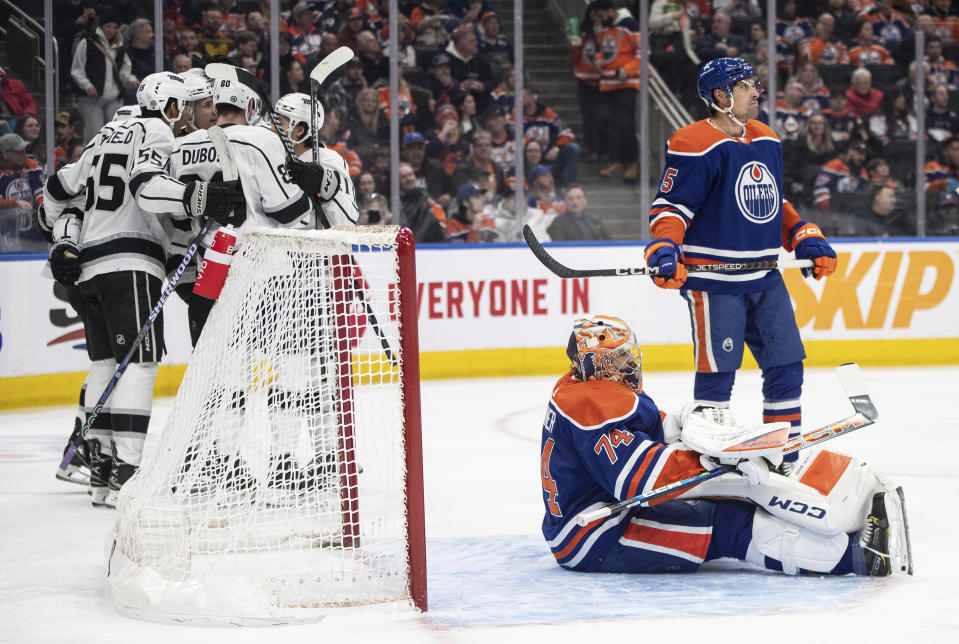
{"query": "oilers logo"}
pixel 609 47
pixel 757 194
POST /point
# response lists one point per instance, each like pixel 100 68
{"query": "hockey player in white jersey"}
pixel 336 192
pixel 115 251
pixel 182 232
pixel 202 111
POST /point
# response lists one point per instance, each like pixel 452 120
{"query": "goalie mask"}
pixel 298 108
pixel 602 347
pixel 157 90
pixel 227 92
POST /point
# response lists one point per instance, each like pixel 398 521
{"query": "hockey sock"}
pixel 714 389
pixel 782 387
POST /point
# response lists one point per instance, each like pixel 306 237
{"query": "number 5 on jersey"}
pixel 668 177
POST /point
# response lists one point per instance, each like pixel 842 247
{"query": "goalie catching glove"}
pixel 666 256
pixel 752 450
pixel 222 201
pixel 810 243
pixel 313 178
pixel 65 254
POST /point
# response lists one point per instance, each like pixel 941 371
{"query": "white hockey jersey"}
pixel 342 208
pixel 121 175
pixel 271 199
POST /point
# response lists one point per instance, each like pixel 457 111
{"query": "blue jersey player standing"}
pixel 604 440
pixel 721 201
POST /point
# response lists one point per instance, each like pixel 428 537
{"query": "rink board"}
pixel 494 310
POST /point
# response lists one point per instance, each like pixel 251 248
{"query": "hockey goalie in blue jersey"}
pixel 721 201
pixel 604 440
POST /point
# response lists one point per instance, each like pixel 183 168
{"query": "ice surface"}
pixel 491 578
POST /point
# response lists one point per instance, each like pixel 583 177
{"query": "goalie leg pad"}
pixel 847 482
pixel 783 497
pixel 776 543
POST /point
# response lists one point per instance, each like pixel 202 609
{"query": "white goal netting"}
pixel 280 484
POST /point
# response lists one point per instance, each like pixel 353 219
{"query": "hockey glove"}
pixel 312 178
pixel 666 256
pixel 755 470
pixel 222 201
pixel 810 243
pixel 65 262
pixel 65 254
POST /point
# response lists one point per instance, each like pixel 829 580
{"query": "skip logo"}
pixel 798 507
pixel 757 194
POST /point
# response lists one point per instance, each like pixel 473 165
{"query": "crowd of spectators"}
pixel 844 107
pixel 845 100
pixel 456 98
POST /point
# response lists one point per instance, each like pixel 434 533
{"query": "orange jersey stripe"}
pixel 576 539
pixel 776 418
pixel 694 544
pixel 634 484
pixel 699 311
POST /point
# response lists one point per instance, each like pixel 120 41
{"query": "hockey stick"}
pixel 563 271
pixel 852 383
pixel 336 59
pixel 111 385
pixel 229 174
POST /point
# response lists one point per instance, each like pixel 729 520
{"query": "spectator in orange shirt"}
pixel 867 51
pixel 824 48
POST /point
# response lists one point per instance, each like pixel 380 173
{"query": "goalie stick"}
pixel 853 383
pixel 229 174
pixel 563 271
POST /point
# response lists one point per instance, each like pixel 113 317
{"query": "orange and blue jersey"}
pixel 603 443
pixel 793 31
pixel 22 185
pixel 618 48
pixel 893 28
pixel 865 55
pixel 721 200
pixel 836 176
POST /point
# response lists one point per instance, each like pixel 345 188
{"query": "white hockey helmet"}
pixel 156 90
pixel 126 113
pixel 200 85
pixel 228 92
pixel 297 107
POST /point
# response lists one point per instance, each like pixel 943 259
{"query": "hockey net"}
pixel 287 480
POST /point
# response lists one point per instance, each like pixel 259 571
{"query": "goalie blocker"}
pixel 604 440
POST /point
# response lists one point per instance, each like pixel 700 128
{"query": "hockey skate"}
pixel 885 537
pixel 120 473
pixel 78 469
pixel 100 467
